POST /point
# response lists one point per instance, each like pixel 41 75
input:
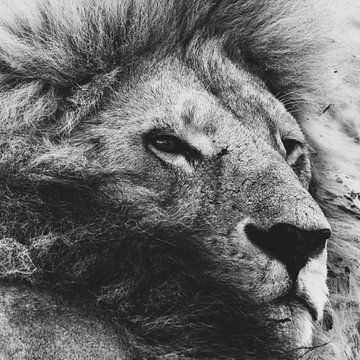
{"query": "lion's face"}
pixel 221 184
pixel 183 207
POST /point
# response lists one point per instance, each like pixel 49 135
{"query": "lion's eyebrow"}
pixel 163 129
pixel 192 116
pixel 188 112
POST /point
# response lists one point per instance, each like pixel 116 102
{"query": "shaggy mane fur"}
pixel 60 60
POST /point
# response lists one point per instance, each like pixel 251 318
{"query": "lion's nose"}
pixel 289 244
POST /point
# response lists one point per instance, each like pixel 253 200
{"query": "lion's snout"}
pixel 291 245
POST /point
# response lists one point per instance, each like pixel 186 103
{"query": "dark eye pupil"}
pixel 171 144
pixel 166 144
pixel 290 146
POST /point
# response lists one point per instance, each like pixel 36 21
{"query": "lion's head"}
pixel 184 212
pixel 172 189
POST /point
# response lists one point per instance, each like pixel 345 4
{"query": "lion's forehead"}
pixel 173 97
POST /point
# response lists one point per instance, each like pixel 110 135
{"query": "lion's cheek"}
pixel 268 280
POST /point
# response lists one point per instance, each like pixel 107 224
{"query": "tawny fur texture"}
pixel 95 228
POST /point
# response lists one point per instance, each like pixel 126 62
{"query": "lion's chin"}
pixel 302 331
pixel 294 326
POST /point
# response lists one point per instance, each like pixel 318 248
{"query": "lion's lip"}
pixel 306 303
pixel 302 300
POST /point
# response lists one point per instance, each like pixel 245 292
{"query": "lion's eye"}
pixel 291 146
pixel 167 143
pixel 294 149
pixel 170 148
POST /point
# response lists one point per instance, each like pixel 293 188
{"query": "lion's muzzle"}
pixel 289 244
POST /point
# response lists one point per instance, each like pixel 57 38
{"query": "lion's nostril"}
pixel 289 244
pixel 326 233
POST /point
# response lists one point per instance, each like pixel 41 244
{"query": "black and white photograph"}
pixel 179 179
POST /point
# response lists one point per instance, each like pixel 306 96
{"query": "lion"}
pixel 178 180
